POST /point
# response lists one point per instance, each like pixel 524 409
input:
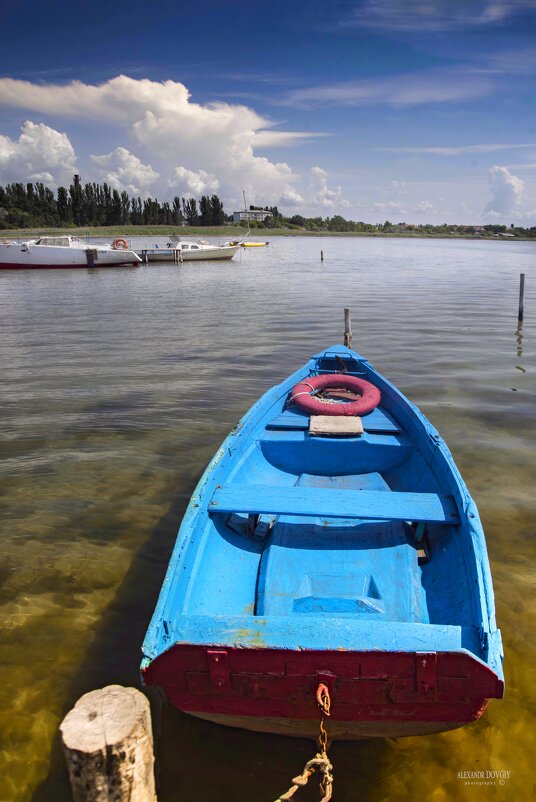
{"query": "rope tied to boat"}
pixel 304 392
pixel 320 762
pixel 324 400
pixel 342 365
pixel 319 395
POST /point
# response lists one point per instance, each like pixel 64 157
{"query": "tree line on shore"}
pixel 34 205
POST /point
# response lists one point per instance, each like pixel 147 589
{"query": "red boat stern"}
pixel 373 694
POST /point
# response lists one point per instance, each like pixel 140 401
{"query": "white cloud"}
pixel 426 206
pixel 121 99
pixel 170 131
pixel 388 206
pixel 530 165
pixel 507 192
pixel 409 89
pixel 189 182
pixel 456 150
pixel 280 139
pixel 124 171
pixel 290 198
pixel 399 187
pixel 322 195
pixel 40 154
pixel 44 177
pixel 436 15
pixel 518 61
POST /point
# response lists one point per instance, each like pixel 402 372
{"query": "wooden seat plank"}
pixel 375 423
pixel 328 503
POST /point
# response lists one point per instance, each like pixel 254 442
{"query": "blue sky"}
pixel 411 110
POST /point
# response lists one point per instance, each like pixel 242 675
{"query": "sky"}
pixel 416 111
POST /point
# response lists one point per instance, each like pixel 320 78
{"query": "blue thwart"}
pixel 356 560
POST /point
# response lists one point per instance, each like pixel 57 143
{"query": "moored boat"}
pixel 330 542
pixel 244 244
pixel 63 252
pixel 178 250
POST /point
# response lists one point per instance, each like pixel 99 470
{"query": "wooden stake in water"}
pixel 521 295
pixel 347 328
pixel 321 256
pixel 108 744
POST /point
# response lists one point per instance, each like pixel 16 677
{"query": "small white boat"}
pixel 178 250
pixel 64 251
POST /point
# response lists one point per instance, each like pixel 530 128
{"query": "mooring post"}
pixel 347 328
pixel 521 296
pixel 108 744
pixel 321 256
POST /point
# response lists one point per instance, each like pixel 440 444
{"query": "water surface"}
pixel 117 387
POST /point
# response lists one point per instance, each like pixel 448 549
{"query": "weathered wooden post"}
pixel 108 745
pixel 521 296
pixel 347 328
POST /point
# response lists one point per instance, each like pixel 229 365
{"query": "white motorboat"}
pixel 177 250
pixel 64 251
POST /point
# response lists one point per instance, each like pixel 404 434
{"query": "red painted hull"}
pixel 374 694
pixel 85 266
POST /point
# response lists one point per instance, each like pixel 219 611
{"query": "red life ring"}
pixel 120 244
pixel 302 395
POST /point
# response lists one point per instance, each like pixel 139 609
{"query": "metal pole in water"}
pixel 521 295
pixel 347 328
pixel 108 744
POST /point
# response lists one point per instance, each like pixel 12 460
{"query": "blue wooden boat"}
pixel 356 561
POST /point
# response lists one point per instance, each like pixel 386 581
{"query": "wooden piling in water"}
pixel 347 328
pixel 520 311
pixel 321 256
pixel 108 744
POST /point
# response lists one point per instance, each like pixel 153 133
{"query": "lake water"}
pixel 117 387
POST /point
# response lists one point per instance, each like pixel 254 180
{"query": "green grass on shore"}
pixel 229 232
pixel 128 231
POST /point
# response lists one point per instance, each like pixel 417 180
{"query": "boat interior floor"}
pixel 342 567
pixel 310 542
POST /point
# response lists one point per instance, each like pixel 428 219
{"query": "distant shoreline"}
pixel 235 232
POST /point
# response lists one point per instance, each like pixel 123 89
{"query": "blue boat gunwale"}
pixel 158 639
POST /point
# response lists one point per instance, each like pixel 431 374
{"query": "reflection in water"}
pixel 109 416
pixel 519 338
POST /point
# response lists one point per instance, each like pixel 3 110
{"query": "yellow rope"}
pixel 320 761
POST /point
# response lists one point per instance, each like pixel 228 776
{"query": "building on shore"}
pixel 259 215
